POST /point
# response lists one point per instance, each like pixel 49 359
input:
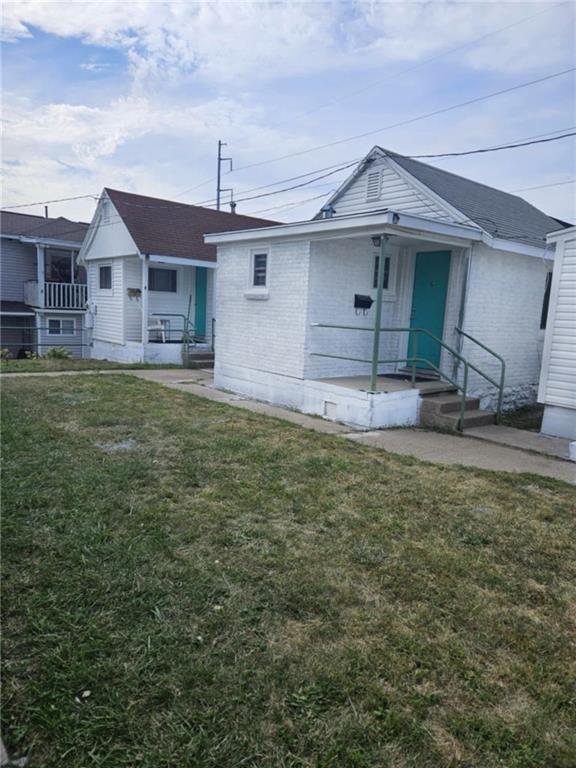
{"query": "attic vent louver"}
pixel 373 185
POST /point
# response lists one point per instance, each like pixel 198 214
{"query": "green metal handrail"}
pixel 413 359
pixel 499 385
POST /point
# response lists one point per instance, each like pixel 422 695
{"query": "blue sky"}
pixel 135 95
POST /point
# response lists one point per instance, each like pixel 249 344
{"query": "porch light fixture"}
pixel 377 241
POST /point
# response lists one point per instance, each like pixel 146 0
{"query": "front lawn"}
pixel 46 364
pixel 189 585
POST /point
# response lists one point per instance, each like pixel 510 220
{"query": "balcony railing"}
pixel 56 295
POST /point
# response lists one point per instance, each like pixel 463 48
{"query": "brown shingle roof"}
pixel 12 223
pixel 167 228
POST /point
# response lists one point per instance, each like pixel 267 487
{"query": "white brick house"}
pixel 462 291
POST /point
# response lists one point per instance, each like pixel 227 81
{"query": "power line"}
pixel 337 169
pixel 545 186
pixel 293 205
pixel 296 186
pixel 46 202
pixel 411 120
pixel 493 149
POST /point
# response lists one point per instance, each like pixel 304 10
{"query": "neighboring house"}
pixel 558 377
pixel 43 289
pixel 150 276
pixel 462 262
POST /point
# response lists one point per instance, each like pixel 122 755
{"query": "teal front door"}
pixel 201 301
pixel 431 274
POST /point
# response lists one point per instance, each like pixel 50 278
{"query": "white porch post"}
pixel 145 263
pixel 40 274
pixel 378 318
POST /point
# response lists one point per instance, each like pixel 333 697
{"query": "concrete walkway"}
pixel 441 448
pixel 524 439
pixel 438 448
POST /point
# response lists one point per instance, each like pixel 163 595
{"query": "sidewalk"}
pixel 439 448
pixel 435 447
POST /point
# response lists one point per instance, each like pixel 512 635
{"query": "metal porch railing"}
pixel 413 359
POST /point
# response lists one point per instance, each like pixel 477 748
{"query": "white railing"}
pixel 56 295
pixel 65 295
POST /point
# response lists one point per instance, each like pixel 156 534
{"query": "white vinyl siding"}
pixel 107 304
pixel 380 186
pixel 558 382
pixel 17 265
pixel 75 341
pixel 132 304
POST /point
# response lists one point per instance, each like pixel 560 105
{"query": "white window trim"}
pixel 167 269
pixel 60 331
pixel 105 264
pixel 388 294
pixel 258 292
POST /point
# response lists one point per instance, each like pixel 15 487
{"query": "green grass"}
pixel 45 365
pixel 188 585
pixel 527 417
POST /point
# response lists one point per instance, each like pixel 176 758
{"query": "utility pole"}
pixel 221 160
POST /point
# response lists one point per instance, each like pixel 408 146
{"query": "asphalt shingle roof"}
pixel 12 223
pixel 167 228
pixel 500 213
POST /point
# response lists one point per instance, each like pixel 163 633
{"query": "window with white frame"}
pixel 60 326
pixel 162 280
pixel 105 277
pixel 390 266
pixel 259 269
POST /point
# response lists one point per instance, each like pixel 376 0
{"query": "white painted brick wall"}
pixel 268 335
pixel 338 270
pixel 504 306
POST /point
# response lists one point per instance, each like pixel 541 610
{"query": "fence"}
pixel 20 338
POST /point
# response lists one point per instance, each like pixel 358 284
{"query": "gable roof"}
pixel 26 225
pixel 167 228
pixel 499 213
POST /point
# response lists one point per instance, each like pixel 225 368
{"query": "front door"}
pixel 428 305
pixel 201 302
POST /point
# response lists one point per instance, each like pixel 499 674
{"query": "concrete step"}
pixel 448 403
pixel 201 360
pixel 449 421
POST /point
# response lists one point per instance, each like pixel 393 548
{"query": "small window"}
pixel 260 267
pixel 546 301
pixel 105 278
pixel 373 185
pixel 386 271
pixel 61 327
pixel 162 280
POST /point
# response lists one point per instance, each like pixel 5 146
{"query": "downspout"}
pixel 463 304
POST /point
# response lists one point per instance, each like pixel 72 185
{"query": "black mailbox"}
pixel 362 302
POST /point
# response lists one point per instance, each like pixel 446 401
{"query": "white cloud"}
pixel 219 57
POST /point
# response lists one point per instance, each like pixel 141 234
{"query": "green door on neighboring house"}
pixel 431 274
pixel 201 294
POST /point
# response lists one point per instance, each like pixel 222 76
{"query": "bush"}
pixel 5 354
pixel 58 353
pixel 29 355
